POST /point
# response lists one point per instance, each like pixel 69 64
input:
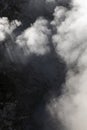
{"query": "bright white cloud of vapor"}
pixel 36 38
pixel 71 44
pixel 6 27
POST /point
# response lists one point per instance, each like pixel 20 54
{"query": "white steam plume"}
pixel 7 28
pixel 71 44
pixel 34 40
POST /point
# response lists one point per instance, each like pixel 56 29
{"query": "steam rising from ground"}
pixel 66 33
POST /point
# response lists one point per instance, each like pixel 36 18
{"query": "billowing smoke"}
pixel 71 44
pixel 36 38
pixel 43 39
